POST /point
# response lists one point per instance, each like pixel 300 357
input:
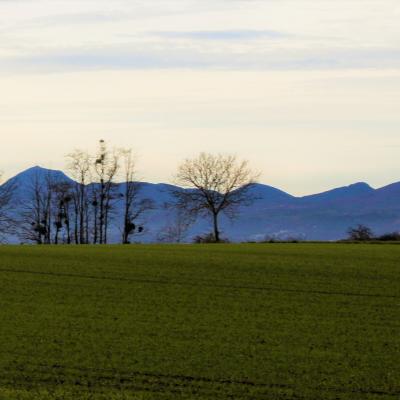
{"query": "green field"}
pixel 278 321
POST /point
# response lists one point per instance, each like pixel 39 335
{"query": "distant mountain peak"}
pixel 341 193
pixel 360 185
pixel 38 172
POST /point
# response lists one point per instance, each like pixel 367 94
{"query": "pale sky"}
pixel 307 90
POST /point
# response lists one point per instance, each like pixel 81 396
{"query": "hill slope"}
pixel 324 216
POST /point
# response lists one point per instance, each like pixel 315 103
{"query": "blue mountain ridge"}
pixel 274 213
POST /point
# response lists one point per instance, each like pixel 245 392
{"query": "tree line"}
pixel 104 186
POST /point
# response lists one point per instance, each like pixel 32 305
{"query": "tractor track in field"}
pixel 41 374
pixel 97 379
pixel 205 284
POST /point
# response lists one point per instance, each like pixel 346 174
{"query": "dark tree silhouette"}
pixel 134 207
pixel 79 165
pixel 36 218
pixel 63 212
pixel 360 233
pixel 106 167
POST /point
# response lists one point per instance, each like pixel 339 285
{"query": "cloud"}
pixel 76 19
pixel 135 34
pixel 222 34
pixel 132 57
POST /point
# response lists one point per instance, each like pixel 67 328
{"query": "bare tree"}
pixel 94 194
pixel 177 227
pixel 63 212
pixel 214 184
pixel 47 210
pixel 7 221
pixel 36 215
pixel 32 228
pixel 134 207
pixel 106 168
pixel 79 165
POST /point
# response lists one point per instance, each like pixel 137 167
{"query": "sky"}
pixel 307 90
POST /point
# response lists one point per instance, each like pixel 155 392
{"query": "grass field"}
pixel 300 321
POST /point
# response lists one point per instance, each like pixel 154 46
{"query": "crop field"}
pixel 276 321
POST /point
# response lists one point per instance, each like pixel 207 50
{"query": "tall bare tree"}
pixel 36 223
pixel 106 169
pixel 79 165
pixel 63 212
pixel 134 206
pixel 7 221
pixel 94 194
pixel 214 184
pixel 47 210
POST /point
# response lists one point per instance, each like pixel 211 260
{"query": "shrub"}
pixel 360 233
pixel 207 238
pixel 390 237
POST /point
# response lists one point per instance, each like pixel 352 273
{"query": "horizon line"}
pixel 39 167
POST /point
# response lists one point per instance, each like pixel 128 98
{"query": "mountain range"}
pixel 275 213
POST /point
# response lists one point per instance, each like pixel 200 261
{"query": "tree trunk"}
pixel 125 236
pixel 76 237
pixel 106 221
pixel 82 214
pixel 216 230
pixel 87 236
pixel 56 236
pixel 102 212
pixel 95 233
pixel 68 232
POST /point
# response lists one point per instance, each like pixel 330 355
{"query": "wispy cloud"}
pixel 44 35
pixel 238 34
pixel 125 57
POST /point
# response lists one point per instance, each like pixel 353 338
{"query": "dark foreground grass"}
pixel 200 322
